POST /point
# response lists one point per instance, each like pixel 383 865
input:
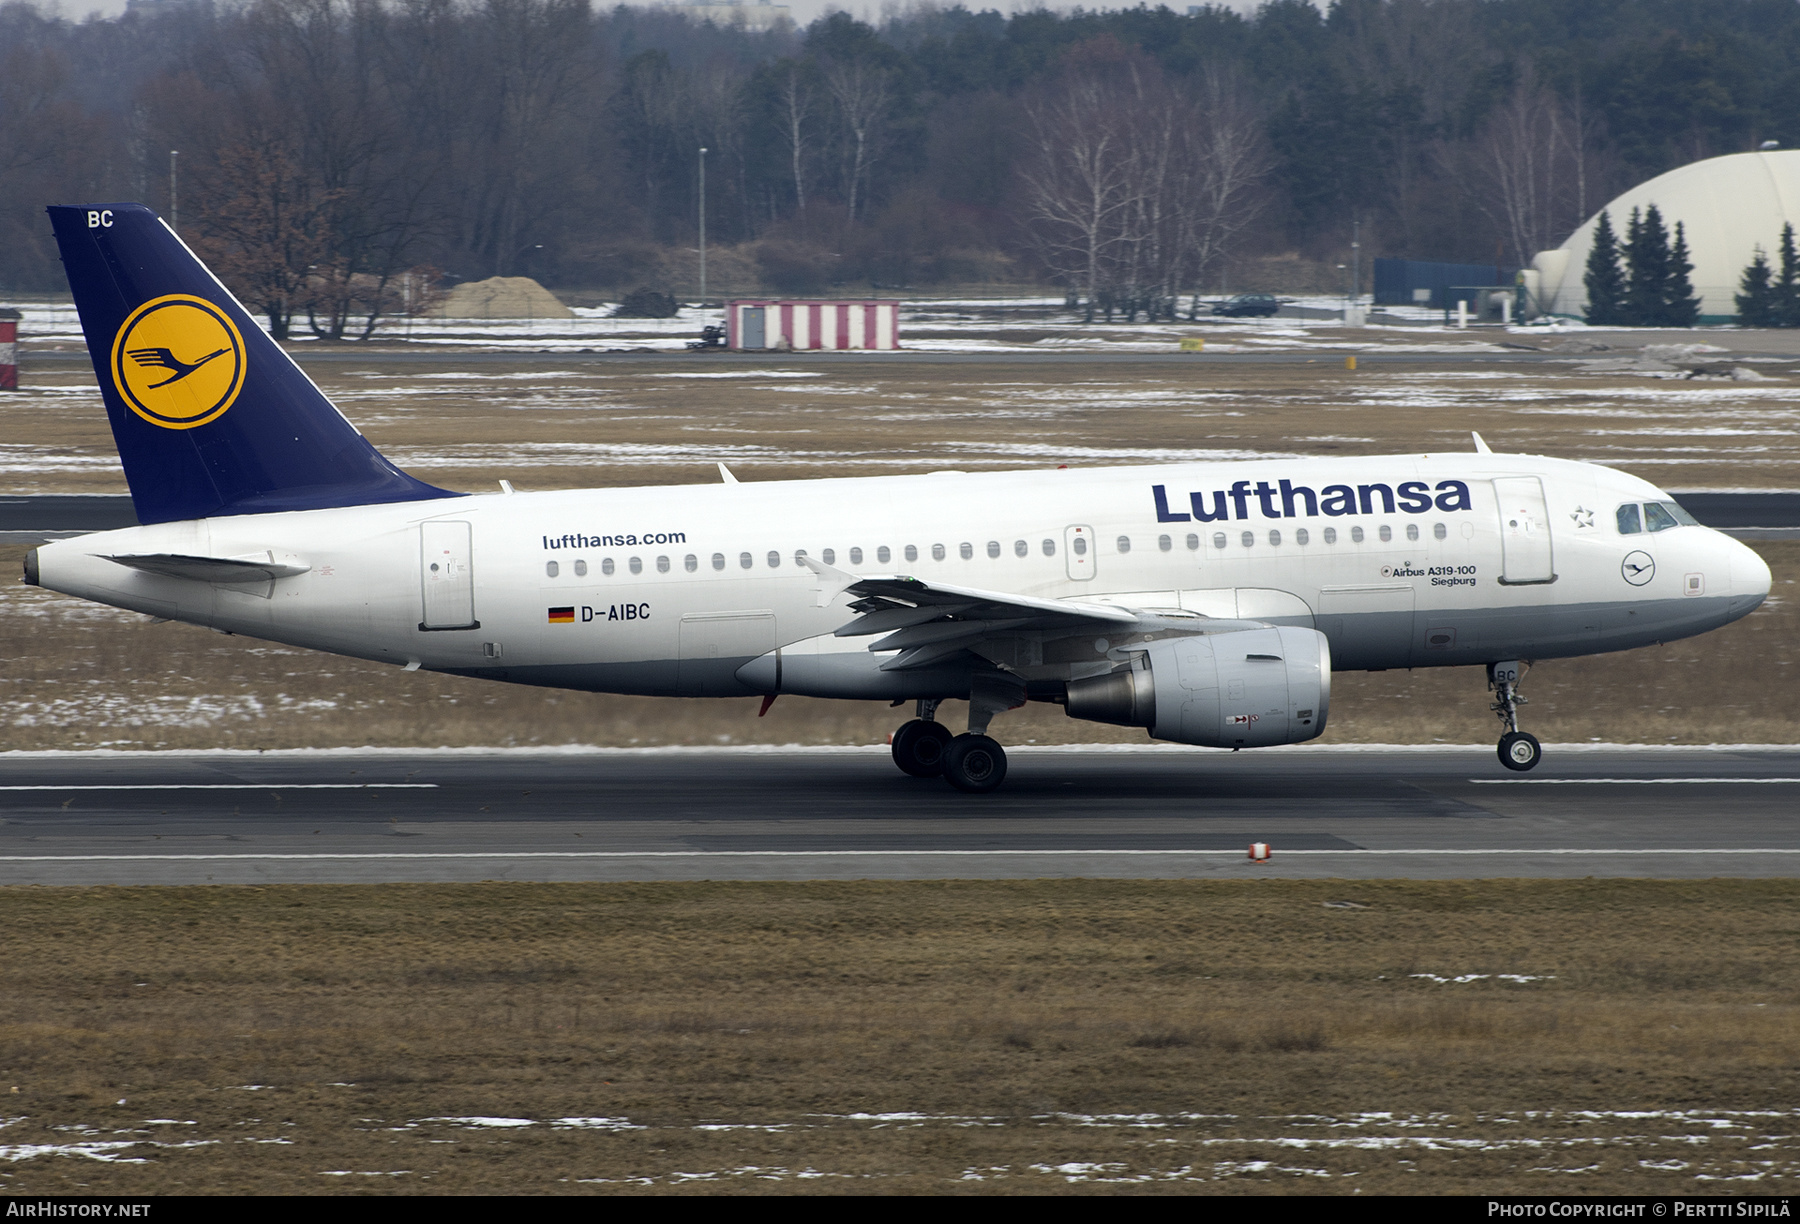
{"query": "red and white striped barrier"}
pixel 1259 852
pixel 9 350
pixel 790 325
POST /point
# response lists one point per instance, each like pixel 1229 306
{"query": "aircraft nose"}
pixel 1750 579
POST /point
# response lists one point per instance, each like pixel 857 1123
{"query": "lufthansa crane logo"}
pixel 178 361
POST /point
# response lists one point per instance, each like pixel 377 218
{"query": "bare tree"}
pixel 1534 164
pixel 267 226
pixel 1230 159
pixel 1078 183
pixel 795 98
pixel 1134 188
pixel 862 95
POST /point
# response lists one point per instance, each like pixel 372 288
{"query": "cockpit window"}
pixel 1654 516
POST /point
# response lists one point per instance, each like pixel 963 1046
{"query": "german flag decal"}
pixel 562 616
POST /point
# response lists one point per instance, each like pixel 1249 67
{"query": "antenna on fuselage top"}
pixel 1481 447
pixel 726 476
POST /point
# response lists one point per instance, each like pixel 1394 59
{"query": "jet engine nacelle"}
pixel 1245 689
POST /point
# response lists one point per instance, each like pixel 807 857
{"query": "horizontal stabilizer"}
pixel 260 567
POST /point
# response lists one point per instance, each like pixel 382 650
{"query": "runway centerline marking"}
pixel 1632 781
pixel 719 854
pixel 163 786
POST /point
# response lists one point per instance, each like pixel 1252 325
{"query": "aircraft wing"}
pixel 925 622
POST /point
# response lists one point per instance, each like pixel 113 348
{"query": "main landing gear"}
pixel 972 763
pixel 1519 751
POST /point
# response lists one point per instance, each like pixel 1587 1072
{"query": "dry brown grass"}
pixel 580 424
pixel 1240 1014
pixel 80 676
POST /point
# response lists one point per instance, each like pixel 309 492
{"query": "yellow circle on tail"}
pixel 178 361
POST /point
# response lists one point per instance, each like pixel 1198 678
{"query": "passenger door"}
pixel 447 577
pixel 1524 531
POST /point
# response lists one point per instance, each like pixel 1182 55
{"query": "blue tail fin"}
pixel 210 416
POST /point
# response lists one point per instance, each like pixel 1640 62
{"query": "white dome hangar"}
pixel 1729 205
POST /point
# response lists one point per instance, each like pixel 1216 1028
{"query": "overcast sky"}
pixel 803 10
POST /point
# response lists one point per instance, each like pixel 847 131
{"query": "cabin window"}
pixel 1124 544
pixel 1356 535
pixel 662 565
pixel 1274 539
pixel 606 566
pixel 1164 543
pixel 690 563
pixel 1412 531
pixel 1331 535
pixel 1193 542
pixel 829 556
pixel 966 549
pixel 581 569
pixel 1387 533
pixel 1301 535
pixel 1249 539
pixel 884 554
pixel 718 561
pixel 746 560
pixel 635 565
pixel 1021 548
pixel 1218 539
pixel 1049 548
pixel 1080 546
pixel 912 552
pixel 856 556
pixel 993 548
pixel 937 552
pixel 1440 531
pixel 799 553
pixel 774 559
pixel 551 569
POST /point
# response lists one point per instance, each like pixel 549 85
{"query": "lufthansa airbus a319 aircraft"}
pixel 1208 603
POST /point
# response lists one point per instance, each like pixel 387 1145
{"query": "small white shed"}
pixel 758 324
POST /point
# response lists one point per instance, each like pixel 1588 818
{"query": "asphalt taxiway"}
pixel 233 817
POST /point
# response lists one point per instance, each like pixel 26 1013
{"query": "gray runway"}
pixel 181 818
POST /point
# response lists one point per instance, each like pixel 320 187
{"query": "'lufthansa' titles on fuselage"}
pixel 1285 499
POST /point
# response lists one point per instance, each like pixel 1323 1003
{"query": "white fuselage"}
pixel 696 590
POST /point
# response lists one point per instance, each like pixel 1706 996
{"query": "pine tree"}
pixel 1603 280
pixel 1787 285
pixel 1680 305
pixel 1756 296
pixel 1646 269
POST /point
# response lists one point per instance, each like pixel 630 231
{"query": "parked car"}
pixel 1248 306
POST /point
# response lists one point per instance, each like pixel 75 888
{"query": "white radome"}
pixel 1729 206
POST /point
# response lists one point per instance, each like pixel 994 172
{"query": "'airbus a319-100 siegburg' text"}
pixel 1207 603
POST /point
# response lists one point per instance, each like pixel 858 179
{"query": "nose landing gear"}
pixel 1519 751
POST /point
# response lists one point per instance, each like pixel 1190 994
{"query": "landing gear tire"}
pixel 1520 751
pixel 974 764
pixel 919 748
